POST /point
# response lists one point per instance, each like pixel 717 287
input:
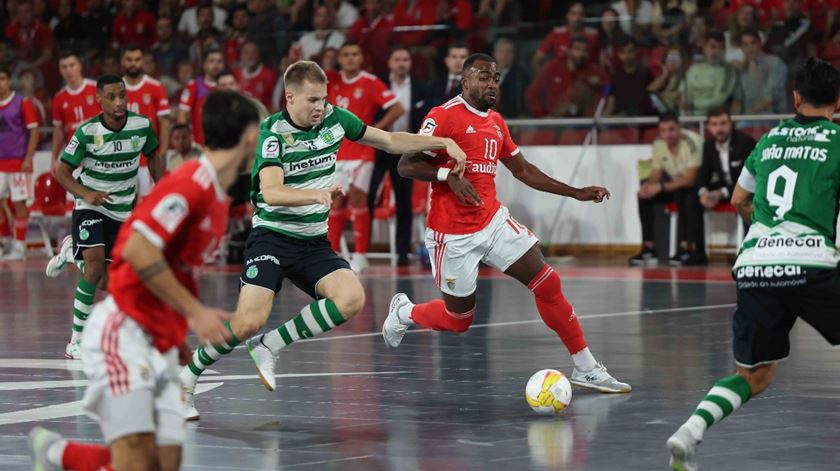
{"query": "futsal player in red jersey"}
pixel 364 95
pixel 468 225
pixel 132 337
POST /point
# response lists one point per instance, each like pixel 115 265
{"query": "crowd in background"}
pixel 558 59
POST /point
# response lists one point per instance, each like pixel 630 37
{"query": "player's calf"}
pixel 135 453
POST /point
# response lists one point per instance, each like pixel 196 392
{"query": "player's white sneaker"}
pixel 597 378
pixel 190 412
pixel 264 359
pixel 40 441
pixel 73 350
pixel 393 330
pixel 17 252
pixel 681 445
pixel 58 262
pixel 359 262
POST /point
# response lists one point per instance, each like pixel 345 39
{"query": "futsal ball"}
pixel 548 392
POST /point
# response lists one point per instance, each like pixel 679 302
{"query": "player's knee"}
pixel 759 378
pixel 94 271
pixel 134 453
pixel 246 323
pixel 350 303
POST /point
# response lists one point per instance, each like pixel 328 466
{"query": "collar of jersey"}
pixel 220 194
pixel 483 114
pixel 802 119
pixel 288 118
pixel 105 125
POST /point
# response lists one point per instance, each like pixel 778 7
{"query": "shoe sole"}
pixel 645 263
pixel 192 418
pixel 390 309
pixel 600 388
pixel 256 365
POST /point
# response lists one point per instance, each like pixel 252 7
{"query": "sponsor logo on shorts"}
pixel 450 282
pixel 89 222
pixel 263 258
pixel 252 271
pixel 769 271
pixel 84 234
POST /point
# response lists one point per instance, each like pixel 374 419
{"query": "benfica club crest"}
pixel 357 93
pixel 147 99
pixel 89 100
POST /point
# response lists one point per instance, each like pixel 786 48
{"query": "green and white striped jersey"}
pixel 110 160
pixel 307 157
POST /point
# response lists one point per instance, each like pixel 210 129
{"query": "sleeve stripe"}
pixel 361 134
pixel 515 151
pixel 747 181
pixel 390 103
pixel 184 107
pixel 164 112
pixel 148 233
pixel 430 153
pixel 31 125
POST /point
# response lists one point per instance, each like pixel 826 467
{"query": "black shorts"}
pixel 271 256
pixel 769 302
pixel 93 229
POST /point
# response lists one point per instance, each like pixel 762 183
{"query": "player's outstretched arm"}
pixel 146 259
pixel 275 193
pixel 742 200
pixel 407 143
pixel 532 176
pixel 419 166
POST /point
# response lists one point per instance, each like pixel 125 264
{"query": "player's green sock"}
pixel 82 306
pixel 727 395
pixel 204 356
pixel 315 318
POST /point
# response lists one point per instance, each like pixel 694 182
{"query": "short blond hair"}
pixel 303 71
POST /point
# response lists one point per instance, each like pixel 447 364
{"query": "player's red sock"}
pixel 361 229
pixel 86 457
pixel 555 310
pixel 337 221
pixel 21 225
pixel 434 315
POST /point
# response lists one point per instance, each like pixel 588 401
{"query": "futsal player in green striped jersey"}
pixel 292 189
pixel 108 148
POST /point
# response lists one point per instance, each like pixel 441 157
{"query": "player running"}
pixel 468 225
pixel 108 147
pixel 131 342
pixel 787 266
pixel 292 188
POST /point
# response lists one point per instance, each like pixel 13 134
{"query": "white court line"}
pixel 535 321
pixel 311 463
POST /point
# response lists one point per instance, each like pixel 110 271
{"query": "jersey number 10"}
pixel 491 149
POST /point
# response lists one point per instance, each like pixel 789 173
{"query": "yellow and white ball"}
pixel 548 392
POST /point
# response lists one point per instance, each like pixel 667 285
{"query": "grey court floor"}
pixel 452 402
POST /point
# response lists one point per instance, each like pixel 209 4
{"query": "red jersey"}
pixel 17 117
pixel 363 95
pixel 31 40
pixel 557 42
pixel 192 100
pixel 140 28
pixel 186 216
pixel 484 137
pixel 148 98
pixel 70 108
pixel 260 84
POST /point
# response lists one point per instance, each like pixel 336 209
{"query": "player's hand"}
pixel 710 199
pixel 209 325
pixel 97 198
pixel 336 192
pixel 458 157
pixel 463 190
pixel 26 165
pixel 593 193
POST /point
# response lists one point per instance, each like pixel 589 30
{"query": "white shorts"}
pixel 455 257
pixel 15 186
pixel 353 172
pixel 144 182
pixel 133 388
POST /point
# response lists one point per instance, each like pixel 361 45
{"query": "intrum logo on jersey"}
pixel 114 165
pixel 264 258
pixel 311 163
pixel 271 148
pixel 428 127
pixel 252 271
pixel 771 242
pixel 72 145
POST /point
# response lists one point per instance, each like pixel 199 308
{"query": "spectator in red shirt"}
pixel 414 13
pixel 569 86
pixel 372 29
pixel 253 76
pixel 133 25
pixel 769 11
pixel 558 40
pixel 823 15
pixel 33 38
pixel 237 34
